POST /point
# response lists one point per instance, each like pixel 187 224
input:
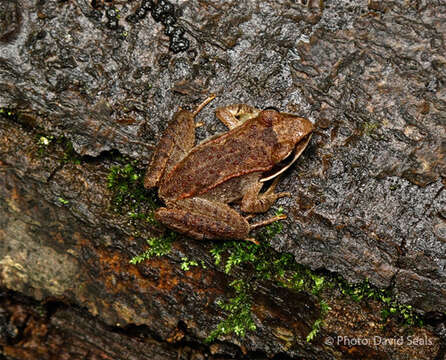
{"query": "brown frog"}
pixel 197 182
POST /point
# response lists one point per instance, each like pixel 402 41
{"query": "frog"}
pixel 200 183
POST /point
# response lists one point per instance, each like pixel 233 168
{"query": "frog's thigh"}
pixel 255 202
pixel 177 140
pixel 235 115
pixel 204 219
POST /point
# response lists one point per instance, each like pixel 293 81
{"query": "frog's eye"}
pixel 267 116
pixel 271 108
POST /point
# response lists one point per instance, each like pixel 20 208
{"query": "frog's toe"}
pixel 253 240
pixel 268 221
pixel 283 194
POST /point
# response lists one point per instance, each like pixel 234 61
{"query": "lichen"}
pixel 369 128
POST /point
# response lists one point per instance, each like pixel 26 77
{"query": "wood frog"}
pixel 198 182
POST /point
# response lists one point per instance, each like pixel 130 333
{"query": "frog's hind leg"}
pixel 204 219
pixel 175 143
pixel 235 115
pixel 177 140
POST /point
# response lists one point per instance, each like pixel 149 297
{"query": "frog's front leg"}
pixel 204 219
pixel 176 142
pixel 255 202
pixel 235 115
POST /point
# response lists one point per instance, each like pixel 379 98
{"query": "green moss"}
pixel 70 155
pixel 319 322
pixel 63 201
pixel 157 247
pixel 8 113
pixel 405 314
pixel 186 264
pixel 238 312
pixel 262 262
pixel 131 198
pixel 129 195
pixel 48 143
pixel 265 263
pixel 43 142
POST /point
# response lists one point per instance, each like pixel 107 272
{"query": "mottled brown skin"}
pixel 198 182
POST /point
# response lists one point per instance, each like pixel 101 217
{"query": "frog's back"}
pixel 244 150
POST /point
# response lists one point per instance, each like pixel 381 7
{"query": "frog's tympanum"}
pixel 197 182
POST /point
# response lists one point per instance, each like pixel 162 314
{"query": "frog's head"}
pixel 290 131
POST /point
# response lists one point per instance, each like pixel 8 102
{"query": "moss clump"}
pixel 63 201
pixel 43 142
pixel 261 262
pixel 187 264
pixel 319 322
pixel 405 314
pixel 69 155
pixel 131 198
pixel 48 143
pixel 8 113
pixel 128 192
pixel 238 310
pixel 157 247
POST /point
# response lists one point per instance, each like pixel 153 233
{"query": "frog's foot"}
pixel 235 115
pixel 204 219
pixel 255 202
pixel 270 190
pixel 249 216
